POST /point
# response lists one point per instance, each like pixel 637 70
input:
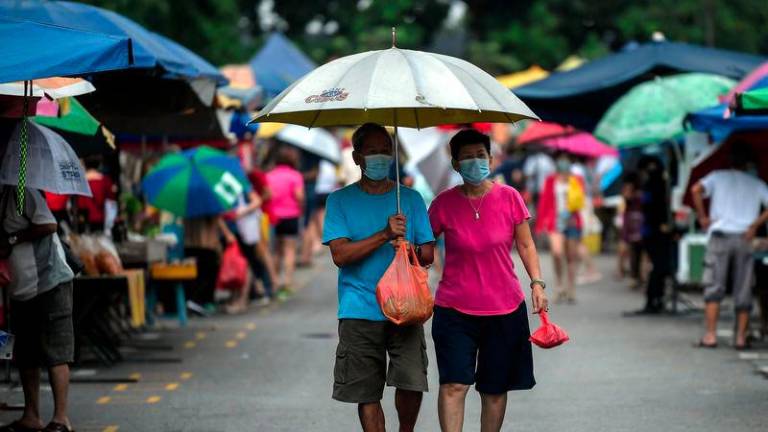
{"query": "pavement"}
pixel 271 370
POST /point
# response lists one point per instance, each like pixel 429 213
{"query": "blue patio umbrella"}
pixel 149 50
pixel 198 182
pixel 32 54
pixel 278 64
pixel 714 121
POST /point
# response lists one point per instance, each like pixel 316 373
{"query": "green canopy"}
pixel 76 120
pixel 653 112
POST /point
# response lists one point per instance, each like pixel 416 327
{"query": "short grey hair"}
pixel 358 138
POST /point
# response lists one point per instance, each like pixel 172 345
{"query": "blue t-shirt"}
pixel 356 215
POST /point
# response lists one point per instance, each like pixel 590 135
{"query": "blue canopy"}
pixel 75 52
pixel 581 96
pixel 149 50
pixel 278 64
pixel 713 121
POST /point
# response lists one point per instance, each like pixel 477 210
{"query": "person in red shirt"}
pixel 92 209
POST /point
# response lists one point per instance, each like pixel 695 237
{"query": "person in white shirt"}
pixel 733 218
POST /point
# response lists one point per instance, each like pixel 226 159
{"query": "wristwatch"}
pixel 12 240
pixel 538 282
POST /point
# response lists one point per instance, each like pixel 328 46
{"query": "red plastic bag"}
pixel 548 335
pixel 403 292
pixel 234 269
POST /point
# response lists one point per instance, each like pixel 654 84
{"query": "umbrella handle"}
pixel 397 171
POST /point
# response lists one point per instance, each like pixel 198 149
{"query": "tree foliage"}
pixel 498 35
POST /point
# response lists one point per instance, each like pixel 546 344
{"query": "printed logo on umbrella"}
pixel 228 188
pixel 331 95
pixel 69 170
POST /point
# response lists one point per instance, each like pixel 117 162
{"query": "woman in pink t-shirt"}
pixel 286 205
pixel 480 326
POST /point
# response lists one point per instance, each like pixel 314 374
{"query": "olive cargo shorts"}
pixel 361 370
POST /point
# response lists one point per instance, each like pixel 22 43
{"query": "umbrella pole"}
pixel 397 171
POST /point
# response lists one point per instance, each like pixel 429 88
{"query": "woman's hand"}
pixel 539 299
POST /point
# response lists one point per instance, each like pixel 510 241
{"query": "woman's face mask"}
pixel 377 166
pixel 563 166
pixel 474 171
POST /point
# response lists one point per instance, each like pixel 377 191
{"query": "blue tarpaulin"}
pixel 278 64
pixel 28 51
pixel 149 50
pixel 581 96
pixel 713 121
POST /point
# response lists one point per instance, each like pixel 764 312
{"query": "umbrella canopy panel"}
pixel 75 52
pixel 150 51
pixel 581 96
pixel 719 125
pixel 278 64
pixel 52 165
pixel 316 141
pixel 195 183
pixel 654 111
pixel 395 87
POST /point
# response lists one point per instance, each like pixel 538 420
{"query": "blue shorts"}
pixel 492 351
pixel 572 233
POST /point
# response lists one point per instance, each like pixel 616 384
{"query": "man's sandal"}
pixel 57 427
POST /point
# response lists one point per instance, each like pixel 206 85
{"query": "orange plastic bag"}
pixel 548 335
pixel 403 292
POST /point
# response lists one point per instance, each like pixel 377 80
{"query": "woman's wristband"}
pixel 538 282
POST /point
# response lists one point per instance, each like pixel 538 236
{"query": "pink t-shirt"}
pixel 479 276
pixel 284 182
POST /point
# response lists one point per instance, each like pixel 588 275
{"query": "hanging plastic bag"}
pixel 548 335
pixel 403 292
pixel 234 269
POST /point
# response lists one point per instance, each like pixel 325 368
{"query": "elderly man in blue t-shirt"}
pixel 360 223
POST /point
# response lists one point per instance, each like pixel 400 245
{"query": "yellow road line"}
pixel 241 335
pixel 153 399
pixel 111 428
pixel 190 344
pixel 231 344
pixel 120 387
pixel 135 376
pixel 200 335
pixel 103 400
pixel 172 386
pixel 186 375
pixel 251 326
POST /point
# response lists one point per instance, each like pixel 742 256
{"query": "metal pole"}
pixel 397 170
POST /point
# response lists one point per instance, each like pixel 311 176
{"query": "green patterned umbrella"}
pixel 653 111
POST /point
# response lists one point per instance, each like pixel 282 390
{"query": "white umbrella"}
pixel 52 165
pixel 395 87
pixel 316 141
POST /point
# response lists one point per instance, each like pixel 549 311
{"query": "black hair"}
pixel 741 155
pixel 287 155
pixel 92 162
pixel 358 138
pixel 467 137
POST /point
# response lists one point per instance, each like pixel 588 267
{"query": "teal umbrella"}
pixel 653 111
pixel 199 182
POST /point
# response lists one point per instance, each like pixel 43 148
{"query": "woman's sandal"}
pixel 702 344
pixel 17 427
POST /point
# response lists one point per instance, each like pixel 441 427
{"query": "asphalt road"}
pixel 271 370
